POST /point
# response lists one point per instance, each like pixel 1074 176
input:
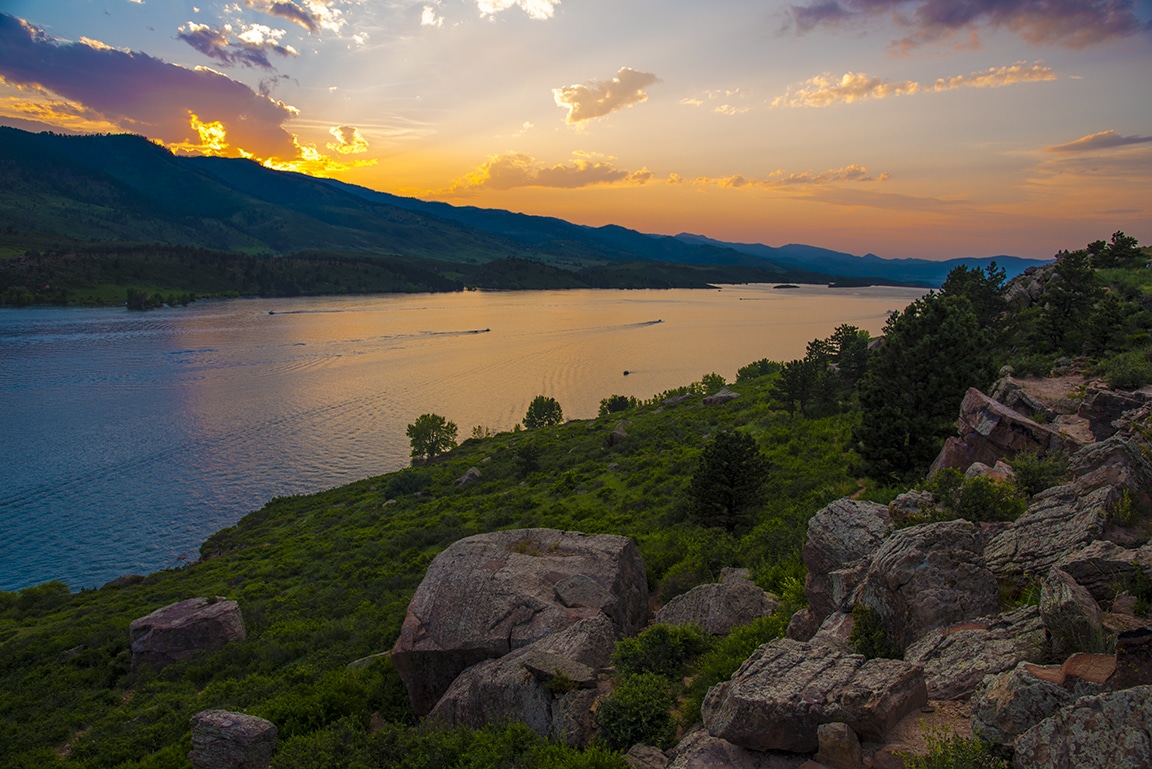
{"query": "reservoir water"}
pixel 127 438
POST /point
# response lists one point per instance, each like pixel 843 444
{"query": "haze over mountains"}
pixel 102 188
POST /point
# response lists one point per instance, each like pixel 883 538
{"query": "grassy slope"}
pixel 325 579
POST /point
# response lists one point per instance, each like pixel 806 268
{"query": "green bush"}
pixel 638 711
pixel 664 650
pixel 869 636
pixel 1035 473
pixel 975 499
pixel 762 367
pixel 615 403
pixel 950 751
pixel 1127 371
pixel 725 658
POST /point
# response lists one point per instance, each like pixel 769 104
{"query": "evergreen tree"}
pixel 933 351
pixel 727 488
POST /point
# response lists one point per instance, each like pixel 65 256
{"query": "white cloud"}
pixel 348 140
pixel 429 17
pixel 536 9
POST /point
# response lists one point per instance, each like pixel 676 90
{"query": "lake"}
pixel 128 438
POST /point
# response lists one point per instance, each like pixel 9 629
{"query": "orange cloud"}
pixel 824 90
pixel 348 140
pixel 505 172
pixel 597 98
pixel 1099 141
pixel 781 179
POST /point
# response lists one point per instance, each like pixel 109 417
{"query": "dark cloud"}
pixel 289 11
pixel 1072 23
pixel 251 48
pixel 141 93
pixel 1100 141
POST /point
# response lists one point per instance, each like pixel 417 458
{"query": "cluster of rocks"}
pixel 522 624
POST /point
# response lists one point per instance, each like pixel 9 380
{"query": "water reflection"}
pixel 129 438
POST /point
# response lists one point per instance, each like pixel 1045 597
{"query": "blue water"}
pixel 127 438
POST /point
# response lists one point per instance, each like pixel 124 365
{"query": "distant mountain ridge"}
pixel 112 188
pixel 924 271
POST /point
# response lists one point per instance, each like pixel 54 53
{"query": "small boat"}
pixel 627 372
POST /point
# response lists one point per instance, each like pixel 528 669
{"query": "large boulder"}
pixel 1102 566
pixel 542 685
pixel 786 689
pixel 1060 520
pixel 1104 408
pixel 720 606
pixel 225 740
pixel 180 630
pixel 990 431
pixel 841 538
pixel 1009 704
pixel 1066 519
pixel 1105 731
pixel 1074 620
pixel 700 750
pixel 929 576
pixel 956 659
pixel 490 594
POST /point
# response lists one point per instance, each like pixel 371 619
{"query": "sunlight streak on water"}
pixel 128 438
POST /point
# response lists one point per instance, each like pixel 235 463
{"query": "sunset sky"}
pixel 906 128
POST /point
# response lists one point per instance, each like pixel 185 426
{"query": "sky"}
pixel 905 128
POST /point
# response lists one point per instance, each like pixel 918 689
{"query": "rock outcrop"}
pixel 841 538
pixel 225 740
pixel 1106 731
pixel 180 630
pixel 956 659
pixel 782 694
pixel 491 594
pixel 991 431
pixel 929 576
pixel 700 750
pixel 545 685
pixel 719 606
pixel 1071 615
pixel 1105 408
pixel 723 396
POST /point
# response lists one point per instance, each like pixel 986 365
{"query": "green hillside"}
pixel 323 580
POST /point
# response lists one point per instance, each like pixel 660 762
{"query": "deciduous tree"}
pixel 431 434
pixel 542 412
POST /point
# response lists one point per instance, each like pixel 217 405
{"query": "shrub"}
pixel 762 367
pixel 947 750
pixel 1035 473
pixel 1127 371
pixel 975 499
pixel 638 711
pixel 615 403
pixel 661 649
pixel 725 657
pixel 869 637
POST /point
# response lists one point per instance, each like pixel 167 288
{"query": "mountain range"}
pixel 108 189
